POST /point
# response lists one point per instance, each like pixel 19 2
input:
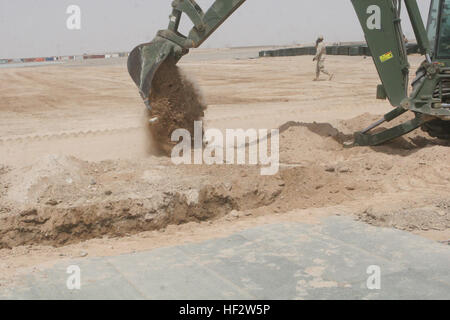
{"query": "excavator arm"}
pixel 380 21
pixel 145 59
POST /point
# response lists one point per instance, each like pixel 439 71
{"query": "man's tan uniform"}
pixel 320 58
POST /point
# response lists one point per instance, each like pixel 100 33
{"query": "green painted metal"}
pixel 213 19
pixel 431 91
pixel 443 43
pixel 381 92
pixel 364 139
pixel 431 87
pixel 381 25
pixel 432 23
pixel 418 26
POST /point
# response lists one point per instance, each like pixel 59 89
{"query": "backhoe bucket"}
pixel 145 60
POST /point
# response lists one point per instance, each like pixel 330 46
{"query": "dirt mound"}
pixel 350 126
pixel 61 200
pixel 433 217
pixel 57 225
pixel 29 183
pixel 176 102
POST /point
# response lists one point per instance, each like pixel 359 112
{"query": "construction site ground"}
pixel 78 180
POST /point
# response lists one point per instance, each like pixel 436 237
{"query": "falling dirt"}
pixel 176 103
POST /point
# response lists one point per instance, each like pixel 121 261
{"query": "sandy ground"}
pixel 76 177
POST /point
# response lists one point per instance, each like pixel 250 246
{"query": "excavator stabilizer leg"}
pixel 364 138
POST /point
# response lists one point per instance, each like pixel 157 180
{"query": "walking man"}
pixel 320 58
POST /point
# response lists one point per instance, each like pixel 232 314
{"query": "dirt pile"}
pixel 61 200
pixel 433 217
pixel 380 179
pixel 176 102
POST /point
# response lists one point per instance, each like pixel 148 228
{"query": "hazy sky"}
pixel 33 28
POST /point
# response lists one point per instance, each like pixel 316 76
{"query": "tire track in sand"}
pixel 91 145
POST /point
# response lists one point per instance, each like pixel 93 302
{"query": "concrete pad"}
pixel 282 261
